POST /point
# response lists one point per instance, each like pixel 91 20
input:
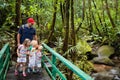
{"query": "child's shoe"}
pixel 24 74
pixel 16 73
pixel 33 71
pixel 28 70
pixel 39 70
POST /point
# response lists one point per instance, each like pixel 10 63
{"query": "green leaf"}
pixel 83 46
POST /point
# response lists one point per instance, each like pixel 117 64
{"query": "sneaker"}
pixel 16 72
pixel 24 74
pixel 39 70
pixel 28 70
pixel 33 71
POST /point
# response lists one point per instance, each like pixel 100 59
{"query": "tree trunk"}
pixel 65 43
pixel 90 20
pixel 53 22
pixel 96 24
pixel 72 24
pixel 98 14
pixel 116 8
pixel 73 34
pixel 109 15
pixel 66 38
pixel 38 22
pixel 18 13
pixel 62 13
pixel 83 16
pixel 17 23
pixel 105 31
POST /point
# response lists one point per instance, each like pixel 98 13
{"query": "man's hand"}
pixel 18 39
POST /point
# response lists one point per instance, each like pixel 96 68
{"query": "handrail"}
pixel 4 61
pixel 71 66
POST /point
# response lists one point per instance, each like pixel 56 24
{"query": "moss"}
pixel 105 50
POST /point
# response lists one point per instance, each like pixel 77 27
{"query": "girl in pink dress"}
pixel 22 52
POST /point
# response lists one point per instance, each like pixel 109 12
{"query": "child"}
pixel 38 58
pixel 32 56
pixel 22 52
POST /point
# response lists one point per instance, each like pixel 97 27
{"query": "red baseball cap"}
pixel 30 20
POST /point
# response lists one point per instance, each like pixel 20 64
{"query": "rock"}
pixel 116 77
pixel 115 71
pixel 101 67
pixel 105 51
pixel 102 76
pixel 112 74
pixel 103 60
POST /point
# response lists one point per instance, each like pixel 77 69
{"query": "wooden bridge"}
pixel 7 73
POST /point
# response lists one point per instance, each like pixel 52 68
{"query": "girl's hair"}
pixel 34 42
pixel 40 47
pixel 26 41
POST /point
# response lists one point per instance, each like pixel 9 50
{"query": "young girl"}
pixel 38 58
pixel 22 52
pixel 32 56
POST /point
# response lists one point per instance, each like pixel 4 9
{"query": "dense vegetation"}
pixel 74 26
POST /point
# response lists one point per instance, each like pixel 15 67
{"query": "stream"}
pixel 104 67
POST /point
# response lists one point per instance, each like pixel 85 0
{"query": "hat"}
pixel 31 20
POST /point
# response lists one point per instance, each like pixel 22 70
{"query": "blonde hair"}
pixel 26 41
pixel 34 43
pixel 40 47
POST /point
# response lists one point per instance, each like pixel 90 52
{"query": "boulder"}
pixel 103 60
pixel 105 51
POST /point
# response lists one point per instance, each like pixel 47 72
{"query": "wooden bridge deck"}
pixel 41 76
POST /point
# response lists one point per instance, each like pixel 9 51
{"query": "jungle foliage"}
pixel 72 27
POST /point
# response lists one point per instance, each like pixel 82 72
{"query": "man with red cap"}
pixel 26 31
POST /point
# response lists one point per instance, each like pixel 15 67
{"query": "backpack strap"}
pixel 23 26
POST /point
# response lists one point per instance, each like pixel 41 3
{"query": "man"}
pixel 26 31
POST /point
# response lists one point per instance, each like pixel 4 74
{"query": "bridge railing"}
pixel 4 61
pixel 64 61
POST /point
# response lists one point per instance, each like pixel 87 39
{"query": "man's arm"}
pixel 20 31
pixel 18 39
